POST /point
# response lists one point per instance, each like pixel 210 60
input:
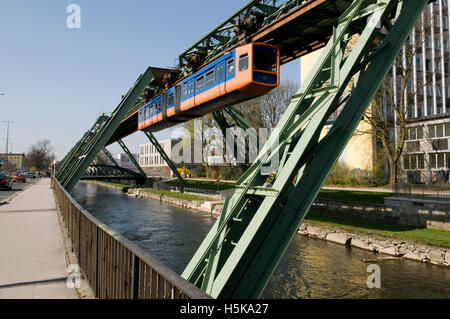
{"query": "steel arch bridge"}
pixel 110 172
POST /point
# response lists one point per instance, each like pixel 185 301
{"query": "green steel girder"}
pixel 223 36
pixel 110 172
pixel 243 248
pixel 131 157
pixel 163 154
pixel 110 157
pixel 77 150
pixel 91 145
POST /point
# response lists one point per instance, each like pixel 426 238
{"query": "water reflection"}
pixel 310 268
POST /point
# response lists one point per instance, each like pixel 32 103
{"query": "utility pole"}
pixel 7 134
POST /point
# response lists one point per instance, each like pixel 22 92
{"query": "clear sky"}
pixel 58 80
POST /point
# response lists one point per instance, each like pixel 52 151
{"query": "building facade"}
pixel 12 161
pixel 426 155
pixel 152 162
pixel 124 161
pixel 424 96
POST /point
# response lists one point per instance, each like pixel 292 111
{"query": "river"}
pixel 310 268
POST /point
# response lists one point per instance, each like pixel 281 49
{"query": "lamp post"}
pixel 7 134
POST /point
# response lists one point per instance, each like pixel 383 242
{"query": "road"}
pixel 17 187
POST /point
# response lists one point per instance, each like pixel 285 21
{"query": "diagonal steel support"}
pixel 163 154
pixel 131 157
pixel 70 159
pixel 243 248
pixel 79 162
pixel 110 157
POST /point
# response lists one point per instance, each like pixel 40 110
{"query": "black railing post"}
pixel 96 262
pixel 135 278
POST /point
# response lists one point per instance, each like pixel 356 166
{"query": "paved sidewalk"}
pixel 32 254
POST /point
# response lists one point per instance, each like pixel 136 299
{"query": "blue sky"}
pixel 58 80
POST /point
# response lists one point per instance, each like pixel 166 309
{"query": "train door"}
pixel 177 99
pixel 229 70
pixel 164 106
pixel 220 77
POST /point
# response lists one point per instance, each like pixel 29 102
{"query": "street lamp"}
pixel 7 134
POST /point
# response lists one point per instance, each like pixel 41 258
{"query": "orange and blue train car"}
pixel 241 74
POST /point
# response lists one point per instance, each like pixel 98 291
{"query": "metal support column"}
pixel 110 157
pixel 163 154
pixel 131 157
pixel 80 162
pixel 243 248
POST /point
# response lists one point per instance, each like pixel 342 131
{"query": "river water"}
pixel 310 268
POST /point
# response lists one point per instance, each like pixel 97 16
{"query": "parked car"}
pixel 19 178
pixel 5 182
pixel 30 175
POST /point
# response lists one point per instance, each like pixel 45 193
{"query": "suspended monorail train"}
pixel 243 73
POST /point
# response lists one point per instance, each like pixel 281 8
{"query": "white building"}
pixel 152 162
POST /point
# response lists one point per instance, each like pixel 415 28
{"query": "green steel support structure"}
pixel 77 150
pixel 223 37
pixel 163 154
pixel 243 248
pixel 76 164
pixel 110 157
pixel 131 157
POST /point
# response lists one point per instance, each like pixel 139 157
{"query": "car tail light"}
pixel 4 181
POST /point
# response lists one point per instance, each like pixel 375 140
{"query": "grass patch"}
pixel 177 195
pixel 112 184
pixel 206 185
pixel 354 196
pixel 423 235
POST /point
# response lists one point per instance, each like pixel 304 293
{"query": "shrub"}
pixel 231 172
pixel 199 171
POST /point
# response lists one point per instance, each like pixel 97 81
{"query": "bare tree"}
pixel 40 155
pixel 265 111
pixel 394 103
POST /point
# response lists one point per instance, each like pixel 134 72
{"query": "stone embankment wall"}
pixel 393 247
pixel 396 211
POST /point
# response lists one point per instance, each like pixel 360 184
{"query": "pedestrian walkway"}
pixel 32 254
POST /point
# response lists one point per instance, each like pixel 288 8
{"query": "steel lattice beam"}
pixel 131 157
pixel 240 253
pixel 91 145
pixel 110 157
pixel 166 158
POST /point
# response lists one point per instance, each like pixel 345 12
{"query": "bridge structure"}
pixel 361 40
pixel 113 173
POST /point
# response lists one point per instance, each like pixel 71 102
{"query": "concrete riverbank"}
pixel 398 248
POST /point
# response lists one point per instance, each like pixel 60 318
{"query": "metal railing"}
pixel 114 266
pixel 431 191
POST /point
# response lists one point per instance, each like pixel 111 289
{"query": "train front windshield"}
pixel 264 58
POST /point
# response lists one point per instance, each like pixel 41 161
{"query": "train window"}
pixel 200 85
pixel 170 100
pixel 264 58
pixel 222 71
pixel 158 106
pixel 230 68
pixel 184 91
pixel 243 62
pixel 217 73
pixel 152 110
pixel 191 88
pixel 209 79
